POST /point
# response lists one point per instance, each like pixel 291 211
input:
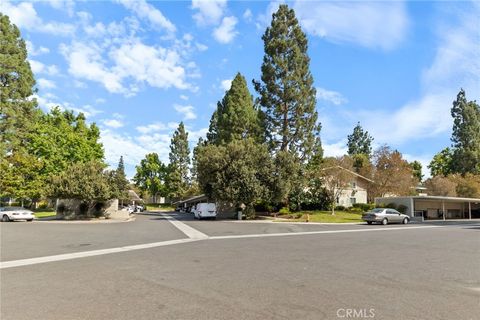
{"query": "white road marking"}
pixel 186 229
pixel 263 235
pixel 84 254
pixel 193 234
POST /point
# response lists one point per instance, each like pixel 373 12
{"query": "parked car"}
pixel 385 216
pixel 16 213
pixel 205 210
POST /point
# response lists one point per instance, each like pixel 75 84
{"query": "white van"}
pixel 205 210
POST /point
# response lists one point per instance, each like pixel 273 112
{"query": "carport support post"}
pixel 470 211
pixel 443 209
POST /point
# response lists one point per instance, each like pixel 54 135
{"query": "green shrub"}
pixel 402 208
pixel 298 215
pixel 340 208
pixel 284 210
pixel 61 208
pixel 364 206
pixel 355 210
pixel 391 205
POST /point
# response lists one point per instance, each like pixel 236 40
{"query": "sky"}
pixel 138 68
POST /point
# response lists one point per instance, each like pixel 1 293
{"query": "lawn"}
pixel 323 216
pixel 44 213
pixel 159 207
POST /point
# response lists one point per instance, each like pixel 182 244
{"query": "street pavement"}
pixel 239 270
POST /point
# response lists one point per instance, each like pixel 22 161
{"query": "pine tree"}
pixel 18 110
pixel 121 179
pixel 466 135
pixel 18 114
pixel 359 142
pixel 236 117
pixel 287 94
pixel 178 179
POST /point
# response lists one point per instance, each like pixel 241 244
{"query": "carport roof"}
pixel 456 199
pixel 195 198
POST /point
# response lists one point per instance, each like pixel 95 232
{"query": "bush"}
pixel 364 206
pixel 402 208
pixel 340 208
pixel 391 205
pixel 263 206
pixel 284 210
pixel 61 208
pixel 355 210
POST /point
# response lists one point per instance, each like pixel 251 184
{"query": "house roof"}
pixel 132 195
pixel 350 171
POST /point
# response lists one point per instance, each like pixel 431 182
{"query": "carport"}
pixel 187 204
pixel 435 207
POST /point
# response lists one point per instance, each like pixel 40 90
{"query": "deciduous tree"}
pixel 391 174
pixel 150 176
pixel 238 172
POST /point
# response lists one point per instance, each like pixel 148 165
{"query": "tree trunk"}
pixel 285 129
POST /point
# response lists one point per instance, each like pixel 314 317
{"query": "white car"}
pixel 205 210
pixel 16 213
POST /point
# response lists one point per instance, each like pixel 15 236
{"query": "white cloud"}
pixel 187 111
pixel 65 5
pixel 247 15
pixel 209 11
pixel 85 62
pixel 201 47
pixel 335 149
pixel 456 64
pixel 330 96
pixel 226 32
pixel 156 127
pixel 226 84
pixel 113 123
pixel 25 16
pixel 48 101
pixel 381 24
pixel 33 51
pixel 183 97
pixel 159 67
pixel 147 11
pixel 131 61
pixel 38 67
pixel 100 100
pixel 46 84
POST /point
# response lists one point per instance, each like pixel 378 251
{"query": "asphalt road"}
pixel 394 272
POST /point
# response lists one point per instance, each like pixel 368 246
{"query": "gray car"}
pixel 385 216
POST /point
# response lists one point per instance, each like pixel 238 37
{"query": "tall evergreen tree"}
pixel 18 110
pixel 121 179
pixel 466 135
pixel 178 179
pixel 417 170
pixel 236 117
pixel 442 163
pixel 359 142
pixel 18 114
pixel 287 94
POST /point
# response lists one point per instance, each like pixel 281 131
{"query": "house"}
pixel 348 186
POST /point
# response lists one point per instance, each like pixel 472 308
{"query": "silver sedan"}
pixel 385 216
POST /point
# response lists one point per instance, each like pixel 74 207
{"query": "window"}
pixel 353 184
pixel 353 200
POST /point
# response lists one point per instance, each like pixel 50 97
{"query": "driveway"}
pixel 242 270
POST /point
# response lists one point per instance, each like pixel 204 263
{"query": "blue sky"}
pixel 139 68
